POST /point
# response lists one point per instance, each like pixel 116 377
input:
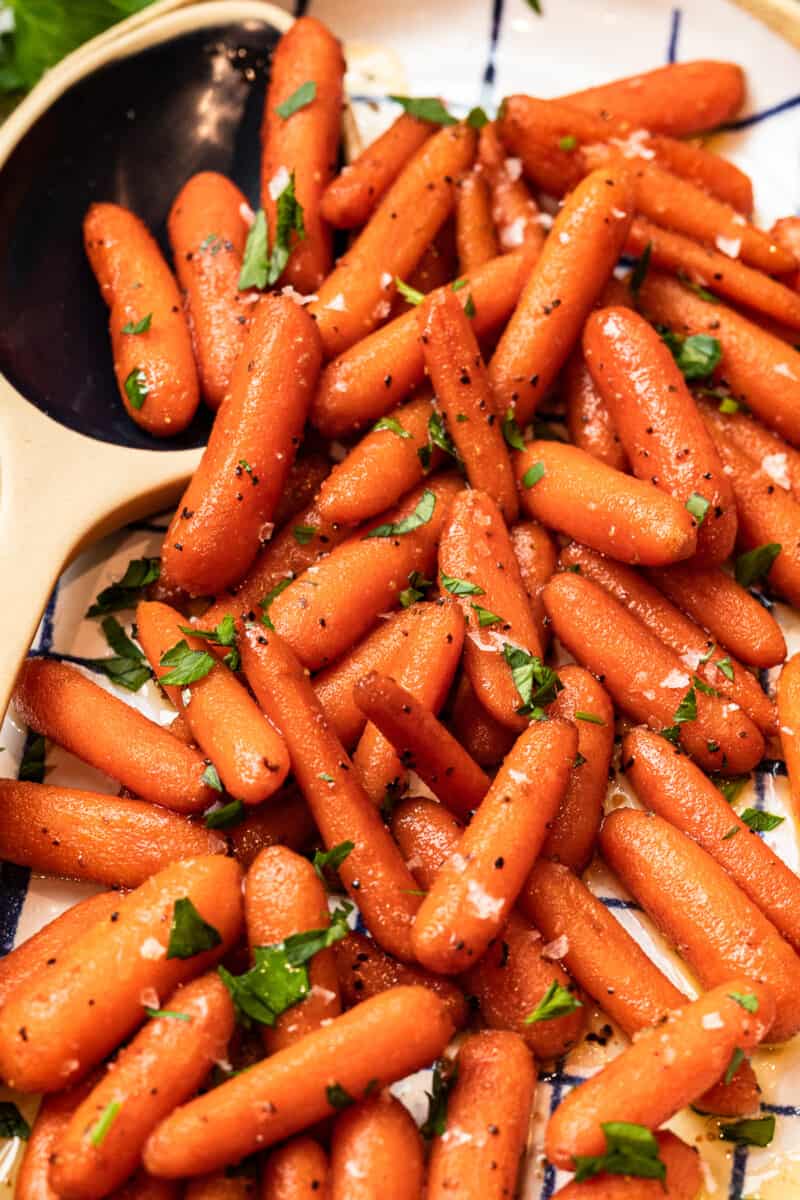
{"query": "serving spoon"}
pixel 127 118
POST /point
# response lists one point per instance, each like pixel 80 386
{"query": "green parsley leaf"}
pixel 698 506
pixel 189 934
pixel 32 769
pixel 415 590
pixel 630 1150
pixel 212 243
pixel 425 108
pixel 460 587
pixel 108 1116
pixel 756 563
pixel 12 1122
pixel 136 388
pixel 298 99
pixel 223 634
pixel 697 356
pixel 533 475
pixel 704 687
pixel 745 1000
pixel 730 786
pixel 187 665
pixel 445 1073
pixel 639 272
pixel 222 816
pixel 303 534
pixel 138 326
pixel 537 684
pixel 579 760
pixel 729 405
pixel 731 833
pixel 325 777
pixel 485 617
pixel 687 709
pixel 697 288
pixel 592 718
pixel 288 220
pixel 155 1013
pixel 512 432
pixel 438 435
pixel 409 294
pixel 255 268
pixel 124 592
pixel 726 666
pixel 469 307
pixel 761 822
pixel 392 425
pixel 420 516
pixel 271 595
pixel 211 778
pixel 557 1001
pixel 331 859
pixel 536 6
pixel 737 1058
pixel 127 667
pixel 337 1097
pixel 477 118
pixel 458 284
pixel 757 1131
pixel 568 142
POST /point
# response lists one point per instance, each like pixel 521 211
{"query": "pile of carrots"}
pixel 539 445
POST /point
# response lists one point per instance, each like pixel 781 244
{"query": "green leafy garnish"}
pixel 730 786
pixel 12 1122
pixel 757 1131
pixel 392 425
pixel 737 1058
pixel 221 816
pixel 697 288
pixel 536 683
pixel 568 142
pixel 260 266
pixel 298 99
pixel 223 634
pixel 271 595
pixel 189 934
pixel 409 294
pixel 639 272
pixel 761 822
pixel 704 687
pixel 485 617
pixel 755 564
pixel 425 108
pixel 128 667
pixel 533 475
pixel 469 307
pixel 136 388
pixel 304 533
pixel 726 666
pixel 592 718
pixel 155 1013
pixel 630 1150
pixel 728 405
pixel 697 356
pixel 33 769
pixel 477 118
pixel 108 1116
pixel 512 432
pixel 211 778
pixel 445 1073
pixel 460 587
pixel 331 859
pixel 138 326
pixel 187 665
pixel 687 709
pixel 420 516
pixel 698 506
pixel 124 592
pixel 745 1000
pixel 556 1002
pixel 338 1097
pixel 415 590
pixel 730 833
pixel 536 6
pixel 438 435
pixel 255 267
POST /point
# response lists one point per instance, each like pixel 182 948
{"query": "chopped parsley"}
pixel 12 1122
pixel 303 534
pixel 125 592
pixel 536 683
pixel 445 1074
pixel 568 142
pixel 485 616
pixel 698 506
pixel 756 563
pixel 223 634
pixel 127 667
pixel 630 1150
pixel 420 516
pixel 271 595
pixel 189 934
pixel 392 425
pixel 425 108
pixel 697 356
pixel 33 768
pixel 761 822
pixel 298 99
pixel 512 432
pixel 460 587
pixel 222 816
pixel 211 778
pixel 331 860
pixel 557 1001
pixel 338 1097
pixel 260 266
pixel 188 666
pixel 533 475
pixel 99 1131
pixel 591 718
pixel 409 294
pixel 136 388
pixel 746 1000
pixel 757 1131
pixel 415 590
pixel 141 326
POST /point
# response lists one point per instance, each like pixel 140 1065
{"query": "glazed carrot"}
pixel 464 398
pixel 682 1181
pixel 427 834
pixel 476 887
pixel 713 598
pixel 57 700
pixel 536 558
pixel 675 789
pixel 589 421
pixel 692 161
pixel 350 199
pixel 221 518
pixel 621 516
pixel 378 372
pixel 146 1187
pixel 220 1186
pixel 665 1069
pixel 514 210
pixel 646 679
pixel 422 743
pixel 696 650
pixel 484 738
pixel 424 665
pixel 46 1042
pixel 207 228
pixel 382 467
pixel 376 1150
pixel 163 1066
pixel 303 144
pixel 438 266
pixel 775 456
pixel 351 300
pixel 225 721
pixel 364 970
pixel 722 274
pixel 576 261
pixel 477 562
pixel 786 233
pixel 571 837
pixel 789 714
pixel 373 872
pixel 321 617
pixel 761 370
pixel 285 821
pixel 475 234
pixel 382 1039
pixel 52 1119
pixel 153 359
pixel 88 835
pixel 306 477
pixel 680 98
pixel 696 905
pixel 662 432
pixel 296 1170
pixel 510 981
pixel 41 951
pixel 493 1092
pixel 283 895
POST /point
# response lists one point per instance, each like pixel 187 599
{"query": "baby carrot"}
pixel 674 788
pixel 664 1069
pixel 478 565
pixel 437 267
pixel 646 679
pixel 697 906
pixel 57 700
pixel 303 144
pixel 422 743
pixel 150 339
pixel 786 232
pixel 46 1041
pixel 464 397
pixel 376 1150
pixel 146 1187
pixel 427 834
pixel 217 529
pixel 682 1181
pixel 295 1171
pixel 220 1186
pixel 484 738
pixel 319 614
pixel 351 300
pixel 700 166
pixel 475 234
pixel 774 455
pixel 382 1039
pixel 663 434
pixel 514 210
pixel 589 421
pixel 570 491
pixel 163 1066
pixel 305 478
pixel 207 231
pixel 424 665
pixel 283 896
pixel 285 821
pixel 350 199
pixel 370 378
pixel 55 1113
pixel 761 370
pixel 713 598
pixel 577 259
pixel 536 557
pixel 789 714
pixel 476 887
pixel 571 836
pixel 364 970
pixel 225 721
pixel 382 467
pixel 488 1109
pixel 373 872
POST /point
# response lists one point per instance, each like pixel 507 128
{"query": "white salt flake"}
pixel 151 948
pixel 278 182
pixel 728 246
pixel 712 1021
pixel 556 949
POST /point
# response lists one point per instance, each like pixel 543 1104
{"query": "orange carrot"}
pixel 295 1171
pixel 373 872
pixel 221 518
pixel 789 713
pixel 438 266
pixel 220 1186
pixel 57 700
pixel 464 397
pixel 665 1069
pixel 589 421
pixel 427 834
pixel 303 144
pixel 283 896
pixel 382 1039
pixel 350 199
pixel 285 821
pixel 225 721
pixel 46 1042
pixel 305 478
pixel 376 1150
pixel 786 233
pixel 536 558
pixel 702 167
pixel 776 456
pixel 475 234
pixel 570 491
pixel 493 1092
pixel 207 228
pixel 355 297
pixel 150 339
pixel 52 1119
pixel 576 261
pixel 682 1181
pixel 514 210
pixel 163 1066
pixel 646 679
pixel 484 738
pixel 695 904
